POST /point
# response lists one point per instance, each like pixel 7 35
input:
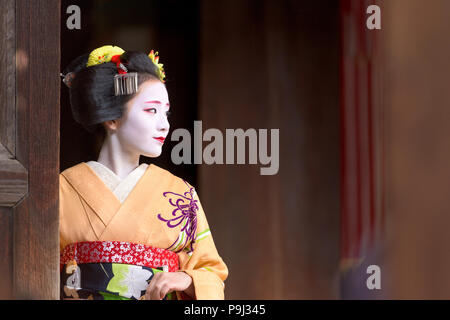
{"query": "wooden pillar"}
pixel 29 150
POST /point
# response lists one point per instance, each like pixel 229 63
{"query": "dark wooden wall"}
pixel 266 65
pixel 29 151
pixel 416 104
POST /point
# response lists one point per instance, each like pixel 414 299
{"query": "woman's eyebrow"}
pixel 156 101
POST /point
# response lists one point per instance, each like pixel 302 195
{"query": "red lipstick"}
pixel 160 139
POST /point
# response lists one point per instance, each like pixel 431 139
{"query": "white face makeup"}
pixel 145 120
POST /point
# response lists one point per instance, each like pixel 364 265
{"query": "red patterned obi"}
pixel 119 252
pixel 112 269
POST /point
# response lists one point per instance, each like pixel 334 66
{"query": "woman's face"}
pixel 145 120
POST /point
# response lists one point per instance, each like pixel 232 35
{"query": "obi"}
pixel 112 270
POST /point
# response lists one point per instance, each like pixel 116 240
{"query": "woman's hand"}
pixel 164 282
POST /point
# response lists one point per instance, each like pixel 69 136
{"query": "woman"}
pixel 130 231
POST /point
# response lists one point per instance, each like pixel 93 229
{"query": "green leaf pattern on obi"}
pixel 128 280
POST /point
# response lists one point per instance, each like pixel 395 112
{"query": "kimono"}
pixel 150 209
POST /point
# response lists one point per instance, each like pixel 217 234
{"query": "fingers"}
pixel 158 287
pixel 163 291
pixel 150 288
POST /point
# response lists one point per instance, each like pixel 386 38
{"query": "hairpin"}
pixel 124 83
pixel 68 78
pixel 155 59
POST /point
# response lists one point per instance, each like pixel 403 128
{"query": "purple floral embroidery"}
pixel 185 209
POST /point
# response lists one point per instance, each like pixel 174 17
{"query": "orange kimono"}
pixel 158 209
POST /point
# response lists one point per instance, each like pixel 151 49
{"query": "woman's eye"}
pixel 150 110
pixel 153 110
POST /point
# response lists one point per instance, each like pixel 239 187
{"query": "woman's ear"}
pixel 111 125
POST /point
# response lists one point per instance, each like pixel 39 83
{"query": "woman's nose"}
pixel 164 125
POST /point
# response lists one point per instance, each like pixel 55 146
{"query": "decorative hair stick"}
pixel 126 83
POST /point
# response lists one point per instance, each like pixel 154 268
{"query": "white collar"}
pixel 120 187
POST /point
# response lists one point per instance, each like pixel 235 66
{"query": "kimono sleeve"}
pixel 204 264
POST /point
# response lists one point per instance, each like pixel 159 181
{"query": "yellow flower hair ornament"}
pixel 106 53
pixel 155 58
pixel 96 57
pixel 103 54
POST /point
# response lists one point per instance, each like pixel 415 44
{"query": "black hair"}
pixel 92 97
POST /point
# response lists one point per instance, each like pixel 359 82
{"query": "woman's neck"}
pixel 116 158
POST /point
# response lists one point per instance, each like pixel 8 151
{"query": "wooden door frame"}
pixel 29 148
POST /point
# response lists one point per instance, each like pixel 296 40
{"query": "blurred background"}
pixel 363 175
